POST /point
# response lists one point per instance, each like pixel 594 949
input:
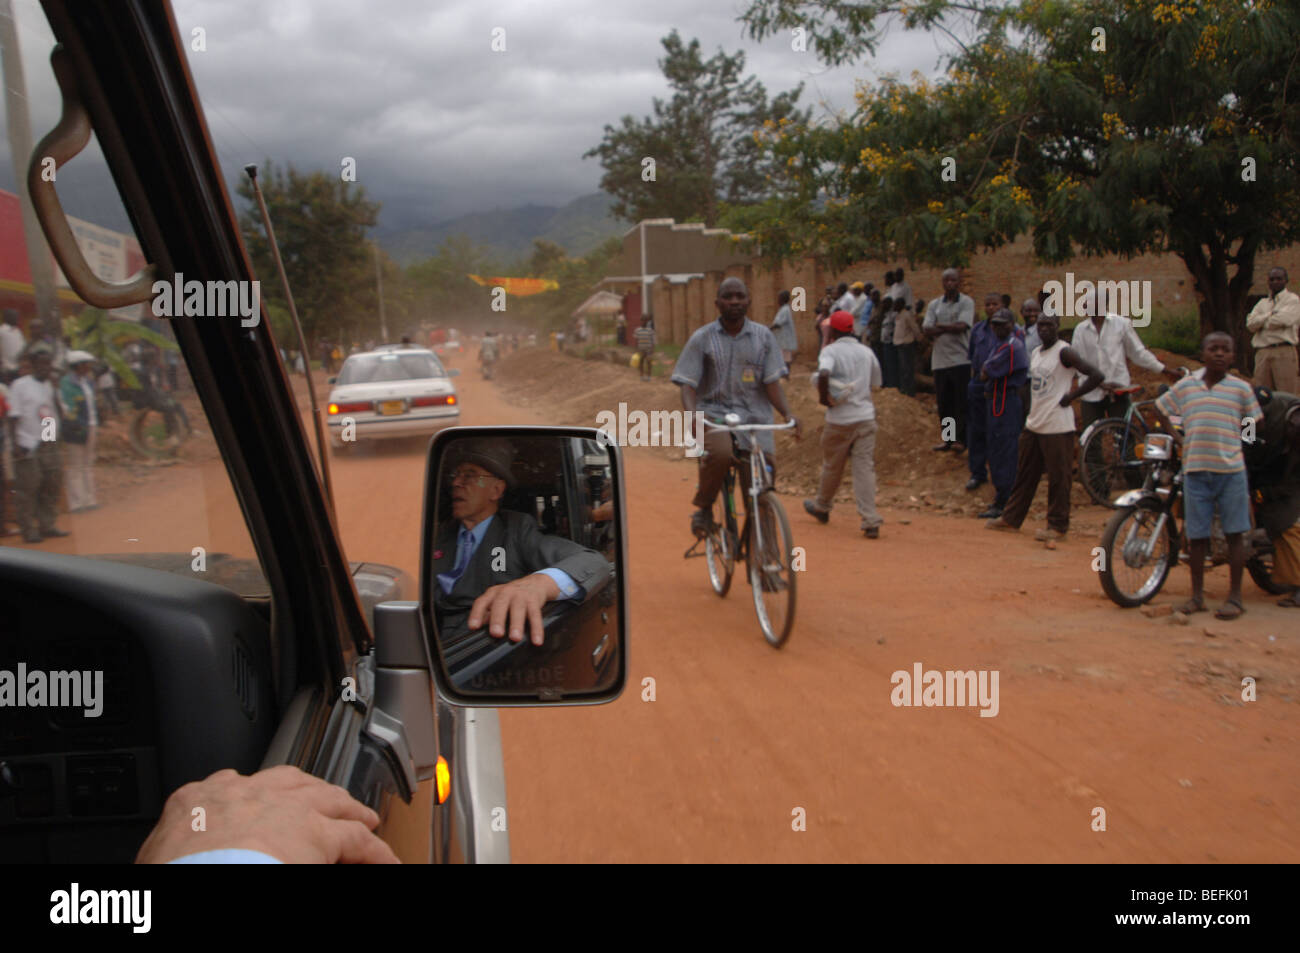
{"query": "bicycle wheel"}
pixel 771 571
pixel 1128 575
pixel 720 555
pixel 1108 460
pixel 1260 568
pixel 155 433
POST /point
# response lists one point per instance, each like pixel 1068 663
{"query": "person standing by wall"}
pixel 645 345
pixel 80 428
pixel 33 422
pixel 1275 319
pixel 948 321
pixel 783 330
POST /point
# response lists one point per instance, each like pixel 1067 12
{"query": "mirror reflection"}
pixel 522 564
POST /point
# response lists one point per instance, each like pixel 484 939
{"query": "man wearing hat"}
pixel 846 371
pixel 496 567
pixel 80 425
pixel 33 431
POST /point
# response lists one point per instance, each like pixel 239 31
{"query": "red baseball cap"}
pixel 842 321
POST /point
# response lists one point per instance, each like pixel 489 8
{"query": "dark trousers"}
pixel 888 365
pixel 718 453
pixel 38 478
pixel 950 389
pixel 905 355
pixel 977 432
pixel 647 364
pixel 1003 426
pixel 1039 453
pixel 1111 406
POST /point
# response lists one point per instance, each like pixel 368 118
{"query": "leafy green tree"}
pixel 320 224
pixel 701 140
pixel 1109 126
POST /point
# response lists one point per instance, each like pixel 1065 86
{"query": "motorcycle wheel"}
pixel 1260 568
pixel 1128 582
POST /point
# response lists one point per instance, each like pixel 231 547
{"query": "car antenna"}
pixel 326 480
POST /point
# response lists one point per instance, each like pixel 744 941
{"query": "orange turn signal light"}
pixel 442 773
pixel 333 408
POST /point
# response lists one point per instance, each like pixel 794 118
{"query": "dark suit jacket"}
pixel 527 550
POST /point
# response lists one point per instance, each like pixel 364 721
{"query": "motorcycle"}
pixel 1142 540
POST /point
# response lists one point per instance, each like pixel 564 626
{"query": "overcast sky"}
pixel 438 123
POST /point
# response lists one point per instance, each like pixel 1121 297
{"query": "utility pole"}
pixel 379 284
pixel 20 144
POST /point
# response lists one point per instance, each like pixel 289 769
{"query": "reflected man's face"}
pixel 475 493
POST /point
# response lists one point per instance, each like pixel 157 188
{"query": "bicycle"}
pixel 160 424
pixel 1110 451
pixel 771 577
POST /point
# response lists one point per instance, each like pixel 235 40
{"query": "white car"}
pixel 391 392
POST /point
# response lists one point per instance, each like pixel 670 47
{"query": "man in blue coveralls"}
pixel 982 343
pixel 1002 375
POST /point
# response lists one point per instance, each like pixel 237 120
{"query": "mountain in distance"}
pixel 577 227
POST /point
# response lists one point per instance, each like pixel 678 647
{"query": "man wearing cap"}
pixel 496 567
pixel 33 432
pixel 847 370
pixel 80 426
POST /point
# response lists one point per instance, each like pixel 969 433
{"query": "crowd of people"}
pixel 53 400
pixel 1006 392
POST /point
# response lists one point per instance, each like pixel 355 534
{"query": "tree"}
pixel 701 140
pixel 320 224
pixel 1111 126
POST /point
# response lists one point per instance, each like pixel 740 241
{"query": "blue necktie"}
pixel 464 545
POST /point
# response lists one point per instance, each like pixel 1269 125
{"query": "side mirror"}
pixel 517 515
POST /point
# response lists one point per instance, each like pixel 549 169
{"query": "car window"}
pixel 378 368
pixel 107 452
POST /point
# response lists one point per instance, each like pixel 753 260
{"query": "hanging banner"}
pixel 519 287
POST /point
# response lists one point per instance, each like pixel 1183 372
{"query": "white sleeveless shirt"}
pixel 1050 380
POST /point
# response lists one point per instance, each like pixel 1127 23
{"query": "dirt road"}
pixel 1099 707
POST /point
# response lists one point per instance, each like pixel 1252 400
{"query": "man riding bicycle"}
pixel 732 365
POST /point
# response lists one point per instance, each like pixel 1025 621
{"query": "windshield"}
pixel 106 449
pixel 381 368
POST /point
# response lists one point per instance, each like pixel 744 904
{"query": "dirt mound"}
pixel 909 474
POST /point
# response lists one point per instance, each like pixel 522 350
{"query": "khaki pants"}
pixel 1275 368
pixel 79 472
pixel 713 469
pixel 38 476
pixel 1286 557
pixel 840 443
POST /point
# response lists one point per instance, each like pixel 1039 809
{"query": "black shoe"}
pixel 942 447
pixel 992 513
pixel 701 523
pixel 53 533
pixel 872 532
pixel 974 483
pixel 811 509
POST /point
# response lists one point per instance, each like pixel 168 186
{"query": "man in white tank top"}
pixel 1047 443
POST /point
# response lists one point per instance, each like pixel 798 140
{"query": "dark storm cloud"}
pixel 437 122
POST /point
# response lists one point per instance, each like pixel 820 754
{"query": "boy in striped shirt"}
pixel 645 345
pixel 1214 408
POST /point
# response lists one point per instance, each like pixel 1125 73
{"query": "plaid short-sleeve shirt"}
pixel 1213 421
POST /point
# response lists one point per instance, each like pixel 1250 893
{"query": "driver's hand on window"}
pixel 506 608
pixel 283 812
